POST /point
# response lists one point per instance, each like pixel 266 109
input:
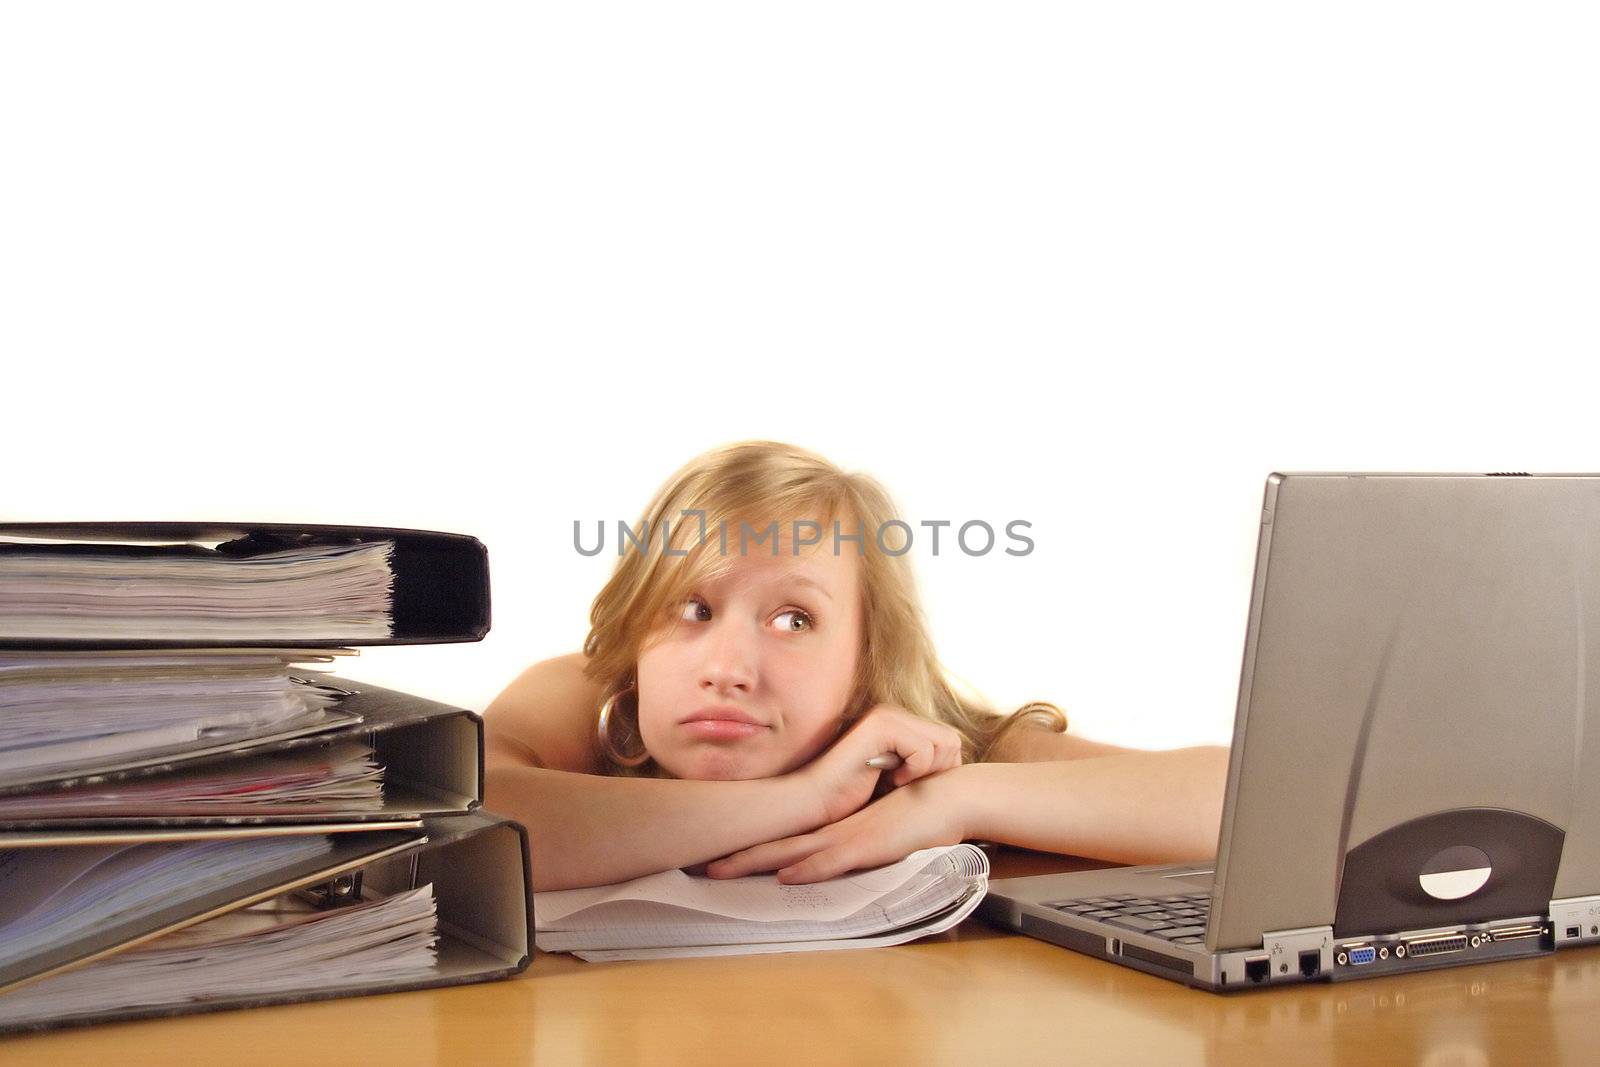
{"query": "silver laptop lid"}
pixel 1417 652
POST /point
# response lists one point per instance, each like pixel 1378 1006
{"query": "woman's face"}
pixel 777 639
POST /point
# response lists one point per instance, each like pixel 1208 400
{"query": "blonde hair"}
pixel 757 482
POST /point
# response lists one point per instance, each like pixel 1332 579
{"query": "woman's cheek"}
pixel 807 751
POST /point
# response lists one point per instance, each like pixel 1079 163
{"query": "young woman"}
pixel 758 645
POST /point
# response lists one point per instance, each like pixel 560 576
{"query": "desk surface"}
pixel 971 995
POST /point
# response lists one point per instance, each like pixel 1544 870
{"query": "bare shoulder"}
pixel 546 717
pixel 1030 743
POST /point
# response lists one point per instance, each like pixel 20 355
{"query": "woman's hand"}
pixel 924 814
pixel 840 780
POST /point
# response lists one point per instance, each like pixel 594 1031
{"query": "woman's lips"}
pixel 721 729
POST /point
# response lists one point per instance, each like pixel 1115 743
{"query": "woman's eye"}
pixel 800 616
pixel 696 610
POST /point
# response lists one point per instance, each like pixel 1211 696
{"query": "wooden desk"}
pixel 973 995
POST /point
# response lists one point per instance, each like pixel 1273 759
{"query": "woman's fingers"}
pixel 936 749
pixel 825 864
pixel 925 747
pixel 796 863
pixel 917 763
pixel 765 857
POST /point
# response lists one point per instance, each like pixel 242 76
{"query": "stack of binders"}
pixel 196 814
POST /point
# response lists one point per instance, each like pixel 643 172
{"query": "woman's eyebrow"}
pixel 783 580
pixel 806 580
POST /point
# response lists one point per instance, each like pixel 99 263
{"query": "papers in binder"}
pixel 78 710
pixel 271 949
pixel 337 778
pixel 49 896
pixel 189 592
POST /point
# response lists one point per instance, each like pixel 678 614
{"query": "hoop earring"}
pixel 604 734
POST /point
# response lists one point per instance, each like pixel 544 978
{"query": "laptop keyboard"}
pixel 1180 919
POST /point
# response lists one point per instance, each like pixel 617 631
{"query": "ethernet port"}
pixel 1310 963
pixel 1257 969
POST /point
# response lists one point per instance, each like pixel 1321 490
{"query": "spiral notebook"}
pixel 675 913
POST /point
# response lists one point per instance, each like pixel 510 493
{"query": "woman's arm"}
pixel 1062 793
pixel 1134 807
pixel 589 829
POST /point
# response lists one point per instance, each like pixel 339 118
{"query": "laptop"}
pixel 1414 780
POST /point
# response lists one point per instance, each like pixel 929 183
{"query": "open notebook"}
pixel 674 913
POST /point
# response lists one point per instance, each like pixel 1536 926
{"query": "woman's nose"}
pixel 729 659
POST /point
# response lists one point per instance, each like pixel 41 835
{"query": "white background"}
pixel 1104 267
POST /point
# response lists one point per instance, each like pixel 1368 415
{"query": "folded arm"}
pixel 1133 807
pixel 1060 793
pixel 1065 795
pixel 587 829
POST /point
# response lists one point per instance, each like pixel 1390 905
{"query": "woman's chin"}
pixel 716 765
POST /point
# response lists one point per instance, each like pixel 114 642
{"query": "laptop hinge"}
pixel 1576 920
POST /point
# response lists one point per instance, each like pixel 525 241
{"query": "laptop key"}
pixel 1188 941
pixel 1172 933
pixel 1100 914
pixel 1137 922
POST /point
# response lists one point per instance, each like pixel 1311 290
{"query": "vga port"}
pixel 1362 954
